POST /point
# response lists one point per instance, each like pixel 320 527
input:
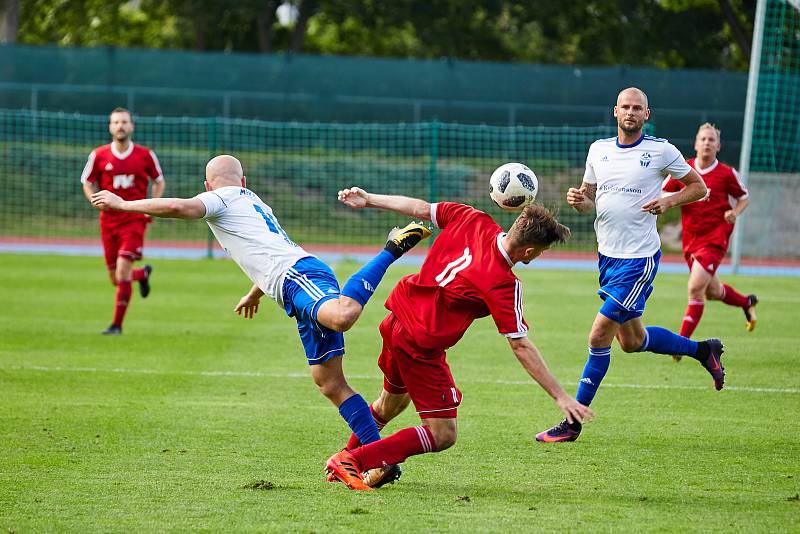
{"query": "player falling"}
pixel 707 226
pixel 127 170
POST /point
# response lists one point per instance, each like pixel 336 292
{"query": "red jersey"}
pixel 126 174
pixel 703 221
pixel 466 275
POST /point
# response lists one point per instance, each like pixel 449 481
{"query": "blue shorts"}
pixel 625 285
pixel 308 284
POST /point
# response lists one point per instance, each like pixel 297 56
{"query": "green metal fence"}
pixel 296 167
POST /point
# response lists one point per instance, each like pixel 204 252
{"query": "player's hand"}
pixel 730 216
pixel 658 206
pixel 354 197
pixel 576 197
pixel 574 410
pixel 105 200
pixel 248 306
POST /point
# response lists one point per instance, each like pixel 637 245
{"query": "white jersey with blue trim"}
pixel 248 230
pixel 627 177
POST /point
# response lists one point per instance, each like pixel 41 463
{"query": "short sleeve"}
pixel 154 168
pixel 674 163
pixel 446 213
pixel 505 305
pixel 213 203
pixel 90 173
pixel 737 188
pixel 588 175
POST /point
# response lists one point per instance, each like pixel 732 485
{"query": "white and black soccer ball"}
pixel 513 186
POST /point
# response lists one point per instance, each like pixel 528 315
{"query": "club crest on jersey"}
pixel 109 166
pixel 644 161
pixel 604 158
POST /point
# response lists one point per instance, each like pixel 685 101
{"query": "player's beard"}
pixel 629 129
pixel 122 137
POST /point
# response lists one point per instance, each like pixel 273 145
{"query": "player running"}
pixel 466 275
pixel 127 170
pixel 299 282
pixel 707 226
pixel 623 180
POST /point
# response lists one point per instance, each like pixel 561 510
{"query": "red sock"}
pixel 691 318
pixel 732 298
pixel 353 442
pixel 138 274
pixel 123 297
pixel 396 448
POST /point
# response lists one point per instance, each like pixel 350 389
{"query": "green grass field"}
pixel 198 420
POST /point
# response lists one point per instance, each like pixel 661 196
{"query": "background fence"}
pixel 285 87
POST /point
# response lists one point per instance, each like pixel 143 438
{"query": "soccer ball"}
pixel 513 186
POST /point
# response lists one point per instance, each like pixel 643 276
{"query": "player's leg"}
pixel 111 247
pixel 731 297
pixel 699 280
pixel 340 315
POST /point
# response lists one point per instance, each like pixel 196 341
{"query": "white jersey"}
pixel 247 229
pixel 627 177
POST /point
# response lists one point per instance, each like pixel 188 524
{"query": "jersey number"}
pixel 453 268
pixel 273 225
pixel 123 181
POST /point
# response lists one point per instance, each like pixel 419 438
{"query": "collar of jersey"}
pixel 641 138
pixel 707 169
pixel 122 155
pixel 500 237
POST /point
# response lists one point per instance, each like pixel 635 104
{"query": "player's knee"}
pixel 631 344
pixel 345 318
pixel 444 437
pixel 333 389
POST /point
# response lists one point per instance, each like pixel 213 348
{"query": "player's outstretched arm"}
pixel 531 359
pixel 357 198
pixel 582 199
pixel 174 208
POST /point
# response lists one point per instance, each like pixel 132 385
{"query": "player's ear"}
pixel 207 185
pixel 244 182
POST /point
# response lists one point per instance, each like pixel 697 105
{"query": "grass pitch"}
pixel 196 419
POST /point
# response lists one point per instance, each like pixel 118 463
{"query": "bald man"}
pixel 299 282
pixel 622 181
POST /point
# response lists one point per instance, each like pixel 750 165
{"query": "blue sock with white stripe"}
pixel 355 411
pixel 662 341
pixel 593 373
pixel 362 284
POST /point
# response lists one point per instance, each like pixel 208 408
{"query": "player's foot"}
pixel 380 476
pixel 344 467
pixel 401 240
pixel 563 431
pixel 144 283
pixel 713 363
pixel 750 312
pixel 112 330
pixel 676 358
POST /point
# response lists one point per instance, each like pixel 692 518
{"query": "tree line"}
pixel 713 34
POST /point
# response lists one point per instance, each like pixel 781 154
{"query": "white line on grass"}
pixel 260 374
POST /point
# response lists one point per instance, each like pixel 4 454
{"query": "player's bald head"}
pixel 224 170
pixel 632 93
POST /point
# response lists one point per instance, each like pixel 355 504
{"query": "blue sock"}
pixel 662 341
pixel 355 411
pixel 593 373
pixel 362 284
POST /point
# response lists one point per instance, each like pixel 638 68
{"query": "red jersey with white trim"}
pixel 466 275
pixel 703 221
pixel 126 174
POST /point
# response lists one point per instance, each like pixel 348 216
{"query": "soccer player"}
pixel 127 170
pixel 466 275
pixel 707 225
pixel 300 283
pixel 623 180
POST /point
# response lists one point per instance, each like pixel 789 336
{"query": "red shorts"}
pixel 423 374
pixel 124 240
pixel 709 258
